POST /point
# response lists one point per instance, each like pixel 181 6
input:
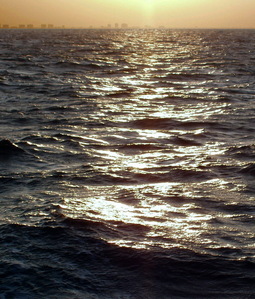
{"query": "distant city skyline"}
pixel 52 26
pixel 136 13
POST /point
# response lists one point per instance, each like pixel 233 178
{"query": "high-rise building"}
pixel 50 26
pixel 6 26
pixel 124 26
pixel 43 26
pixel 30 26
pixel 22 26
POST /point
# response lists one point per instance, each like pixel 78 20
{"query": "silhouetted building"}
pixel 43 26
pixel 22 26
pixel 116 25
pixel 109 26
pixel 6 26
pixel 30 26
pixel 124 26
pixel 50 26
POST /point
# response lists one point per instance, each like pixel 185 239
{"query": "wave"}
pixel 120 94
pixel 152 175
pixel 185 141
pixel 77 65
pixel 8 149
pixel 168 124
pixel 115 228
pixel 58 260
pixel 19 164
pixel 242 152
pixel 154 123
pixel 183 77
pixel 248 169
pixel 10 152
pixel 172 175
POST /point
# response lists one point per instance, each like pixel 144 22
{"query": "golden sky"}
pixel 168 13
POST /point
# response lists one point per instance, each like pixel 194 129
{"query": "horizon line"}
pixel 128 28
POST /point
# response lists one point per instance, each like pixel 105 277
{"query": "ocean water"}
pixel 127 164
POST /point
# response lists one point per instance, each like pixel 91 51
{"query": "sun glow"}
pixel 174 13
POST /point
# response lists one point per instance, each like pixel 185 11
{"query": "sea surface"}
pixel 127 164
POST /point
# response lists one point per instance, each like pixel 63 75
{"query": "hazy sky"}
pixel 170 13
